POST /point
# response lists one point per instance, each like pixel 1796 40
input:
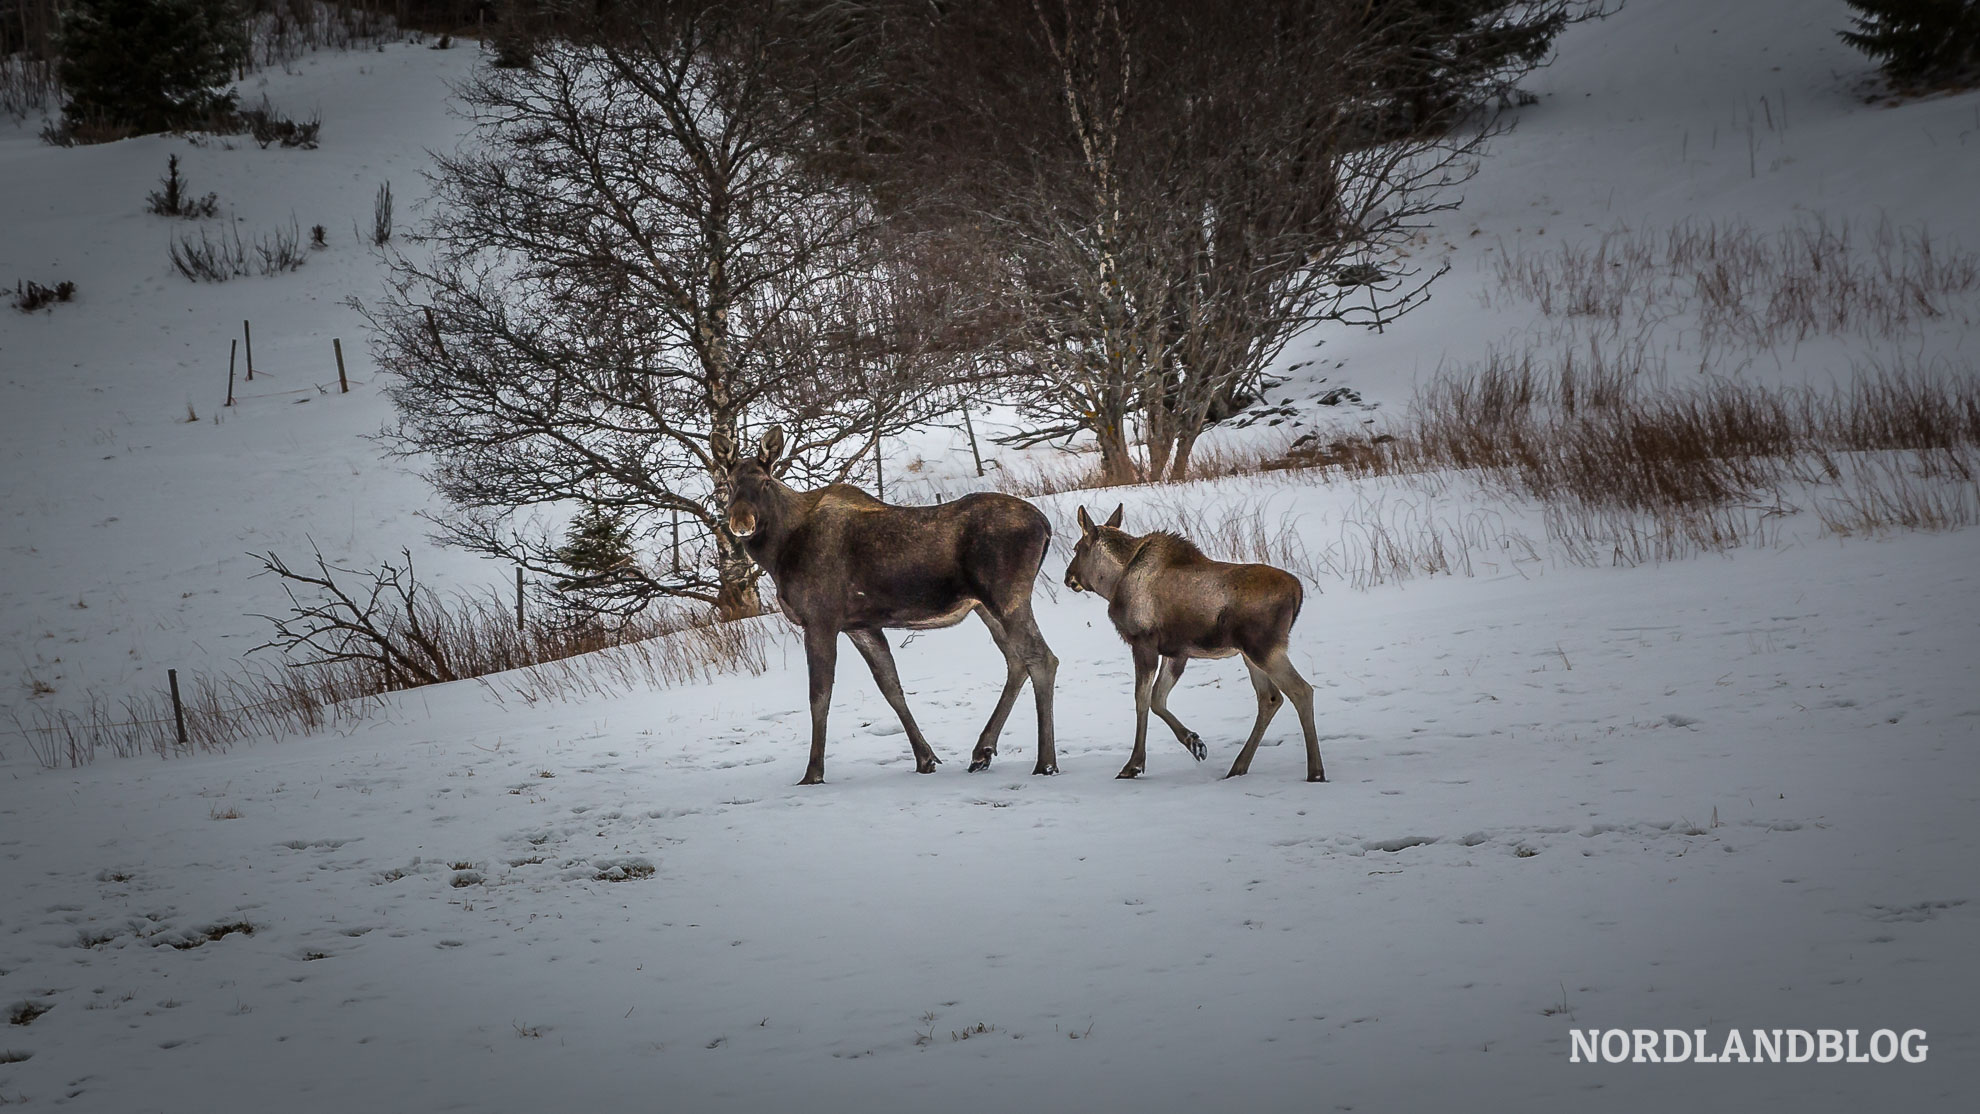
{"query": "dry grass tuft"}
pixel 475 636
pixel 1747 289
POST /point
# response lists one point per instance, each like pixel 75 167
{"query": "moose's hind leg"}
pixel 1269 701
pixel 872 645
pixel 1014 675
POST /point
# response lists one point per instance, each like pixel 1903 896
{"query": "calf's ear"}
pixel 1114 519
pixel 721 448
pixel 1085 523
pixel 772 446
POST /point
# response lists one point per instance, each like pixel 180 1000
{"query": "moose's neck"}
pixel 1111 559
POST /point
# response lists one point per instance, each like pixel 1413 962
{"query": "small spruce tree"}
pixel 1919 42
pixel 597 547
pixel 149 65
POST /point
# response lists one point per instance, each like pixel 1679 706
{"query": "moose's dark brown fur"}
pixel 844 561
pixel 1171 603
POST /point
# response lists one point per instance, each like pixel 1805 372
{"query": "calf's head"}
pixel 1093 567
pixel 750 477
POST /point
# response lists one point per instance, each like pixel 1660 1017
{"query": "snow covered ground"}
pixel 1723 794
pixel 1735 791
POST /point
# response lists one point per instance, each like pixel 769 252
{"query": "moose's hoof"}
pixel 1128 773
pixel 977 765
pixel 1196 747
pixel 1235 772
pixel 1316 777
pixel 812 779
pixel 1044 771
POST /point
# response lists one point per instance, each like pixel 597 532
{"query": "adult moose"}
pixel 844 561
pixel 1171 603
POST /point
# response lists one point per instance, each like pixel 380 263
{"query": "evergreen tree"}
pixel 597 545
pixel 1919 42
pixel 151 65
pixel 1449 56
pixel 596 553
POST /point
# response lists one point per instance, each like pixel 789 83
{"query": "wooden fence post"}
pixel 971 430
pixel 519 597
pixel 247 339
pixel 343 384
pixel 178 709
pixel 233 347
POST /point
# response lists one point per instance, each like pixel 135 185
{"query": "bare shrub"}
pixel 30 295
pixel 28 85
pixel 217 257
pixel 265 125
pixel 210 258
pixel 280 251
pixel 282 31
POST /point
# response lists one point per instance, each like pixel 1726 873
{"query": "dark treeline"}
pixel 676 221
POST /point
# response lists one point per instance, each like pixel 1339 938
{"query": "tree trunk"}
pixel 737 597
pixel 1117 465
pixel 1179 463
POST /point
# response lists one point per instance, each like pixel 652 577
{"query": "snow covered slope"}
pixel 1707 795
pixel 1727 792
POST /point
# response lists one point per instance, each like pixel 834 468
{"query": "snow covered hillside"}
pixel 1726 792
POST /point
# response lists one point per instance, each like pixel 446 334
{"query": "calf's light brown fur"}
pixel 1170 603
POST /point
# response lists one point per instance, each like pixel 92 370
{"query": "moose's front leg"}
pixel 1145 663
pixel 821 653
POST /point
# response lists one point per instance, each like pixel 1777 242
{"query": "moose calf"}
pixel 1171 603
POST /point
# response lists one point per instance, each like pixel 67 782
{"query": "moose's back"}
pixel 877 564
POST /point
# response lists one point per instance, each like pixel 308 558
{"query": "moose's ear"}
pixel 772 447
pixel 1114 519
pixel 1085 523
pixel 721 448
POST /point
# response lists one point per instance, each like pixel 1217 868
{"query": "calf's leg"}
pixel 872 645
pixel 1268 706
pixel 1279 666
pixel 1145 667
pixel 1172 669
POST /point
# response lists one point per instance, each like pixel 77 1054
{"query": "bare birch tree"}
pixel 604 296
pixel 1173 190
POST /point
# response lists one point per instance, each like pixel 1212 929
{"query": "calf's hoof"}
pixel 1196 747
pixel 1128 773
pixel 812 779
pixel 1044 770
pixel 1319 776
pixel 977 765
pixel 1235 772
